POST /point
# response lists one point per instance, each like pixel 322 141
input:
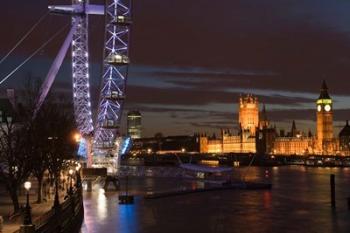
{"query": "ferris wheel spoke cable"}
pixel 33 54
pixel 24 37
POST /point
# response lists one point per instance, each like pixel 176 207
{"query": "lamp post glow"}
pixel 27 214
pixel 27 185
pixel 77 137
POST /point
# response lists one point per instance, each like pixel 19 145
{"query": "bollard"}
pixel 348 203
pixel 332 183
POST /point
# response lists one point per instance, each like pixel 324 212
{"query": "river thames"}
pixel 299 201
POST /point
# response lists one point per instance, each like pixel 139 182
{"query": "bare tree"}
pixel 38 131
pixel 49 130
pixel 34 145
pixel 61 147
pixel 15 162
pixel 39 152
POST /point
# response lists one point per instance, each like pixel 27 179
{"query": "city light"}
pixel 125 145
pixel 205 155
pixel 77 168
pixel 27 185
pixel 77 137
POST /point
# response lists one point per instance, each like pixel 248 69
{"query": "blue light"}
pixel 128 218
pixel 82 151
pixel 125 145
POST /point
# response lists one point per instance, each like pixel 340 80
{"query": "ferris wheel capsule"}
pixel 122 20
pixel 117 59
pixel 115 96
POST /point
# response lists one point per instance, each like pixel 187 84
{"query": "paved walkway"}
pixel 13 223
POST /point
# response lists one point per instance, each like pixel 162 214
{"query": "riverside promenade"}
pixel 13 222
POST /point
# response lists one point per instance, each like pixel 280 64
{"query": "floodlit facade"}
pixel 344 139
pixel 325 137
pixel 134 124
pixel 257 136
pixel 245 140
pixel 293 145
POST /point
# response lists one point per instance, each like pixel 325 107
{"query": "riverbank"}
pixel 238 160
pixel 12 222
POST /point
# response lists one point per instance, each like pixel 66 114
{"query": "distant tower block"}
pixel 134 123
pixel 324 106
pixel 249 114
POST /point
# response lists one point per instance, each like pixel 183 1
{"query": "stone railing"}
pixel 65 218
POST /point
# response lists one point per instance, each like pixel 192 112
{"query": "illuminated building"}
pixel 264 123
pixel 166 145
pixel 245 140
pixel 248 114
pixel 257 136
pixel 134 124
pixel 214 146
pixel 295 143
pixel 344 139
pixel 237 143
pixel 324 114
pixel 203 144
pixel 293 146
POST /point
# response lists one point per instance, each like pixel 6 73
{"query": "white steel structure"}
pixel 80 71
pixel 107 141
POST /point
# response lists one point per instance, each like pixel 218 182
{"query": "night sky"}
pixel 192 59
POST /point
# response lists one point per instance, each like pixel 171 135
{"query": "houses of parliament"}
pixel 257 135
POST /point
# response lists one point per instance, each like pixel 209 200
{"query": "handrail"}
pixel 68 214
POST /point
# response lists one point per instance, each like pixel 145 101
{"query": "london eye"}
pixel 101 139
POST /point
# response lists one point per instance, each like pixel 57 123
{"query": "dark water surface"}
pixel 298 202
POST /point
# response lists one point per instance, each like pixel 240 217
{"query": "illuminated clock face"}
pixel 319 108
pixel 327 108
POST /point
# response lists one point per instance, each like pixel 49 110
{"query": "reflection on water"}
pixel 298 202
pixel 267 199
pixel 128 216
pixel 101 205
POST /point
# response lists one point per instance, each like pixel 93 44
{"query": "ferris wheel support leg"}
pixel 89 151
pixel 55 67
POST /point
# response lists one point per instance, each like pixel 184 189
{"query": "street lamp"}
pixel 27 214
pixel 77 168
pixel 56 203
pixel 71 181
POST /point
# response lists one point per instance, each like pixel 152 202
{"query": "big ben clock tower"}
pixel 324 106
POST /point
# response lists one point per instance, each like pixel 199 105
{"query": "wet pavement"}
pixel 298 202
